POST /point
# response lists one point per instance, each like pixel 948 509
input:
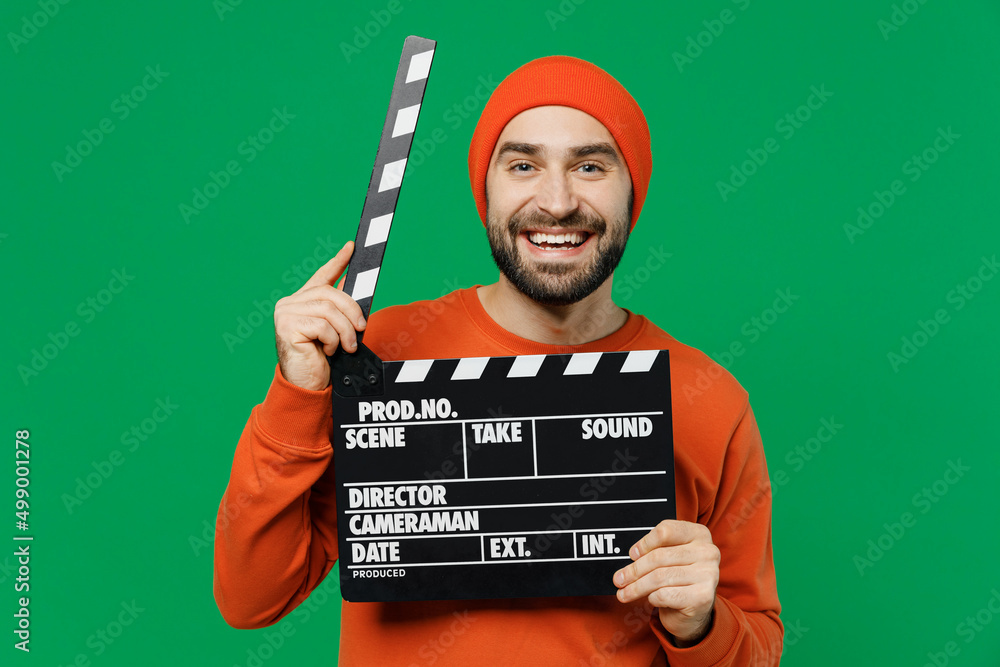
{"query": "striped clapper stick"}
pixel 498 477
pixel 390 165
pixel 361 372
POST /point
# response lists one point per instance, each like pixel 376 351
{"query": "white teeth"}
pixel 575 238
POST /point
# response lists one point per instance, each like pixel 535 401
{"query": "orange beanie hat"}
pixel 570 82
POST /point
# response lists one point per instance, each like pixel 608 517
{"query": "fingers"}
pixel 314 333
pixel 329 272
pixel 312 323
pixel 341 300
pixel 674 557
pixel 673 554
pixel 323 314
pixel 694 565
pixel 318 321
pixel 677 591
pixel 668 557
pixel 669 532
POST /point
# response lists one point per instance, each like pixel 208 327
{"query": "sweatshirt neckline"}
pixel 617 340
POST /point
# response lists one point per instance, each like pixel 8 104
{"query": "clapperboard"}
pixel 488 477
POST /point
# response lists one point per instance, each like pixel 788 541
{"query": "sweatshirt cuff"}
pixel 296 417
pixel 713 648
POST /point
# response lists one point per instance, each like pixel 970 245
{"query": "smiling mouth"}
pixel 564 241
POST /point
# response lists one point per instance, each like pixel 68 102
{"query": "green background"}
pixel 144 534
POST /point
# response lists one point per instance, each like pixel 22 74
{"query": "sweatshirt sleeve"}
pixel 275 534
pixel 746 629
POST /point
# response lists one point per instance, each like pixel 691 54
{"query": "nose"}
pixel 556 196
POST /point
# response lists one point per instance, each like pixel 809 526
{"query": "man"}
pixel 560 165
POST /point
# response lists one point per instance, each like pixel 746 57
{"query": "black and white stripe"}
pixel 390 165
pixel 528 366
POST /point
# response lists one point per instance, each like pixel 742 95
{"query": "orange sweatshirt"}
pixel 276 533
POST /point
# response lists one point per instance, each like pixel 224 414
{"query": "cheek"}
pixel 614 199
pixel 508 195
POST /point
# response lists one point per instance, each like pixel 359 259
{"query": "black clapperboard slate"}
pixel 489 477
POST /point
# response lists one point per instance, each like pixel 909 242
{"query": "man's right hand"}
pixel 313 322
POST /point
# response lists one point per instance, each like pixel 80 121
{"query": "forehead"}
pixel 555 128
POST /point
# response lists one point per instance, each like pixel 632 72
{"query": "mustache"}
pixel 520 222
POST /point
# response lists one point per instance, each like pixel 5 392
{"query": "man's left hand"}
pixel 675 566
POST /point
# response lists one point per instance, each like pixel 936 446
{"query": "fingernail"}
pixel 361 322
pixel 634 553
pixel 619 578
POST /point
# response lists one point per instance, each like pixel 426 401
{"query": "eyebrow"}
pixel 602 148
pixel 515 147
pixel 599 148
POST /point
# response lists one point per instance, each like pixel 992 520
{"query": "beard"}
pixel 558 283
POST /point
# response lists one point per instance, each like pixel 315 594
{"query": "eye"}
pixel 521 167
pixel 591 168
